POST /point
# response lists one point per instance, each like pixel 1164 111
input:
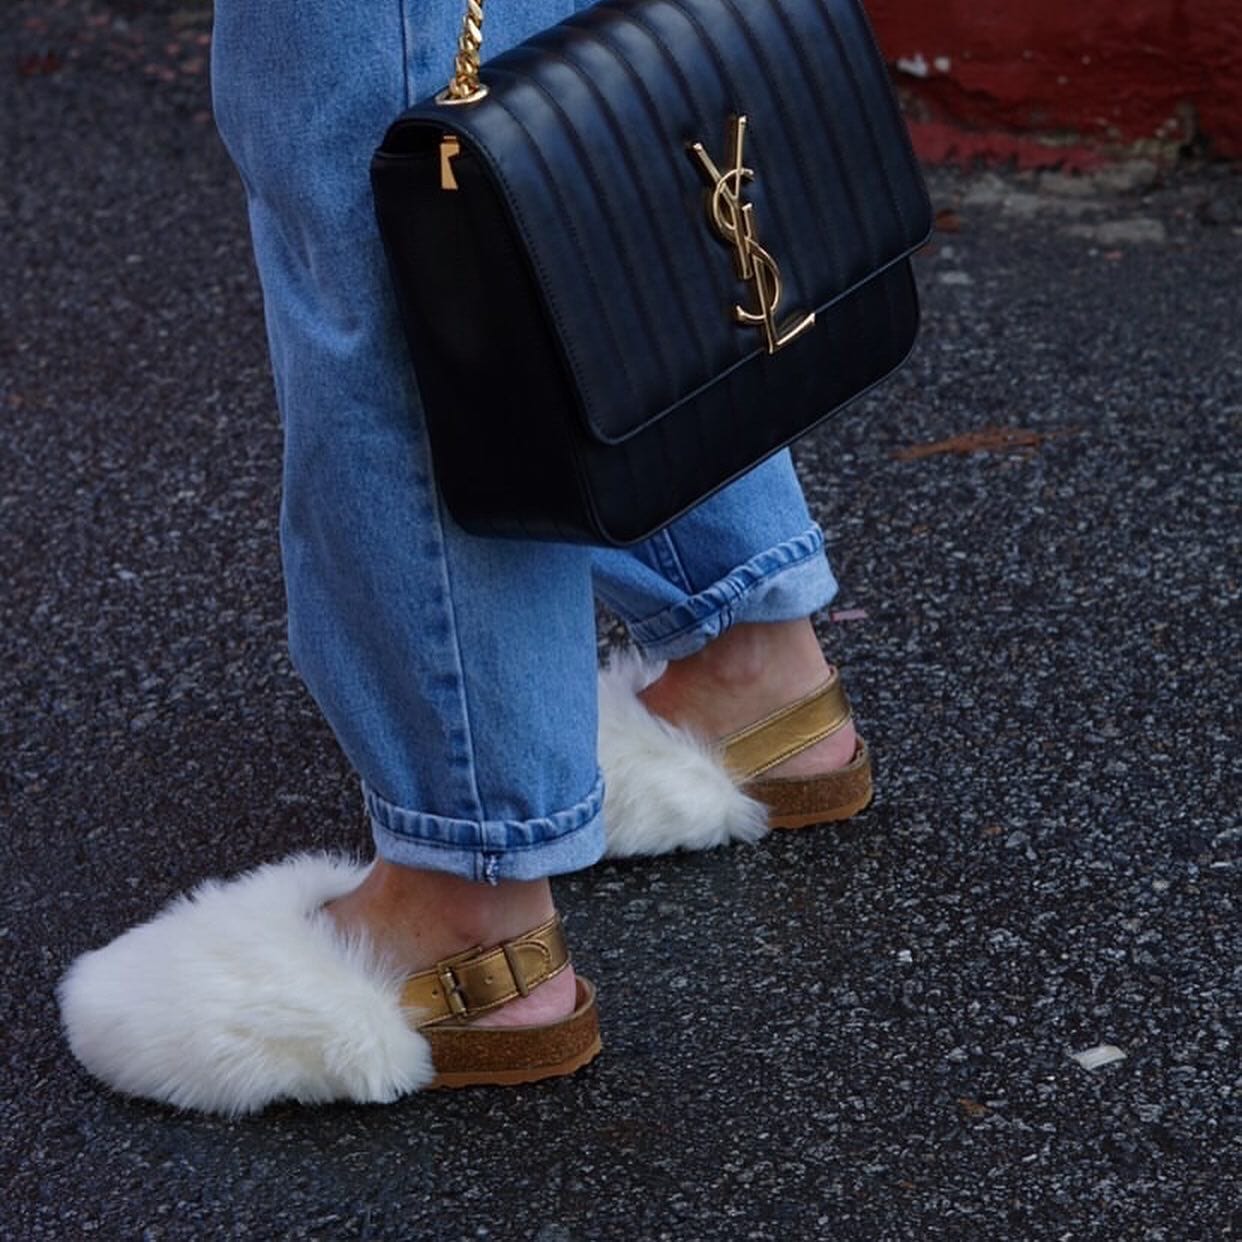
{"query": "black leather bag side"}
pixel 499 414
pixel 512 454
pixel 755 411
pixel 570 306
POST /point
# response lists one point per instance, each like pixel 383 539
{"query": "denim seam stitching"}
pixel 483 850
pixel 733 592
pixel 461 672
pixel 425 843
pixel 378 822
pixel 678 563
pixel 628 616
pixel 405 53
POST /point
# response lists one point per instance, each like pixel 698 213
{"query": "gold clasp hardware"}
pixel 452 989
pixel 734 221
pixel 465 88
pixel 450 147
pixel 453 995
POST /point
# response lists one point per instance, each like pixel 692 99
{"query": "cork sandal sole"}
pixel 802 801
pixel 472 1056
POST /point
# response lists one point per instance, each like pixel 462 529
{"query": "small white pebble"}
pixel 956 278
pixel 905 957
pixel 1101 1054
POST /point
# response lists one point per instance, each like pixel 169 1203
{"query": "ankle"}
pixel 418 917
pixel 739 678
pixel 749 655
pixel 750 668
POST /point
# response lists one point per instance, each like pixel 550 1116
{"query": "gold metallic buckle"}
pixel 453 995
pixel 519 977
pixel 452 990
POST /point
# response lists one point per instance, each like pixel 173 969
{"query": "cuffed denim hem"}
pixel 491 850
pixel 786 582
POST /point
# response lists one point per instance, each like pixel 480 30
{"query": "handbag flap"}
pixel 639 243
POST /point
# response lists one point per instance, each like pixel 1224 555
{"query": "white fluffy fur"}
pixel 666 788
pixel 243 993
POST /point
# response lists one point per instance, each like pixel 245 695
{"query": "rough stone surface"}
pixel 863 1033
pixel 1155 71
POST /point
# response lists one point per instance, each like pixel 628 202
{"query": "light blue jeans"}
pixel 458 673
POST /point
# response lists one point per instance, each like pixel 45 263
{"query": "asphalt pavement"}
pixel 874 1032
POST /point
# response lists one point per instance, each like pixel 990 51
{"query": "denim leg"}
pixel 749 553
pixel 457 673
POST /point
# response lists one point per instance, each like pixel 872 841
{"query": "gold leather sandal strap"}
pixel 470 983
pixel 788 731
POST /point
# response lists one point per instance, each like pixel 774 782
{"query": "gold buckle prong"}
pixel 452 989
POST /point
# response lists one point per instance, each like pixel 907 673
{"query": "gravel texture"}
pixel 864 1033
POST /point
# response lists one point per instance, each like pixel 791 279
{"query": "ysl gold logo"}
pixel 734 221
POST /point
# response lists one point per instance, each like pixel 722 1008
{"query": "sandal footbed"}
pixel 471 1055
pixel 800 801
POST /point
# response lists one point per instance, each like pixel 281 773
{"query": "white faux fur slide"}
pixel 243 993
pixel 665 788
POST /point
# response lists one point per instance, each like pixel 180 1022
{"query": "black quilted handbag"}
pixel 643 251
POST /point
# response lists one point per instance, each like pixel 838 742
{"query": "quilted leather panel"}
pixel 511 453
pixel 641 292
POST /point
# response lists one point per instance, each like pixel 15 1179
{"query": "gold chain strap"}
pixel 465 86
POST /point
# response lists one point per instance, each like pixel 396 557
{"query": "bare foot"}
pixel 415 918
pixel 742 676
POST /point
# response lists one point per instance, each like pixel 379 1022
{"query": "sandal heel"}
pixel 473 1056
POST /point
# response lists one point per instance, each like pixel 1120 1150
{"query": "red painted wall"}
pixel 1112 70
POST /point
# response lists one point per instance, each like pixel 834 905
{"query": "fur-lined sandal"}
pixel 667 788
pixel 454 991
pixel 799 801
pixel 243 993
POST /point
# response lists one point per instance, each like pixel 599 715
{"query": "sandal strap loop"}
pixel 470 983
pixel 788 731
